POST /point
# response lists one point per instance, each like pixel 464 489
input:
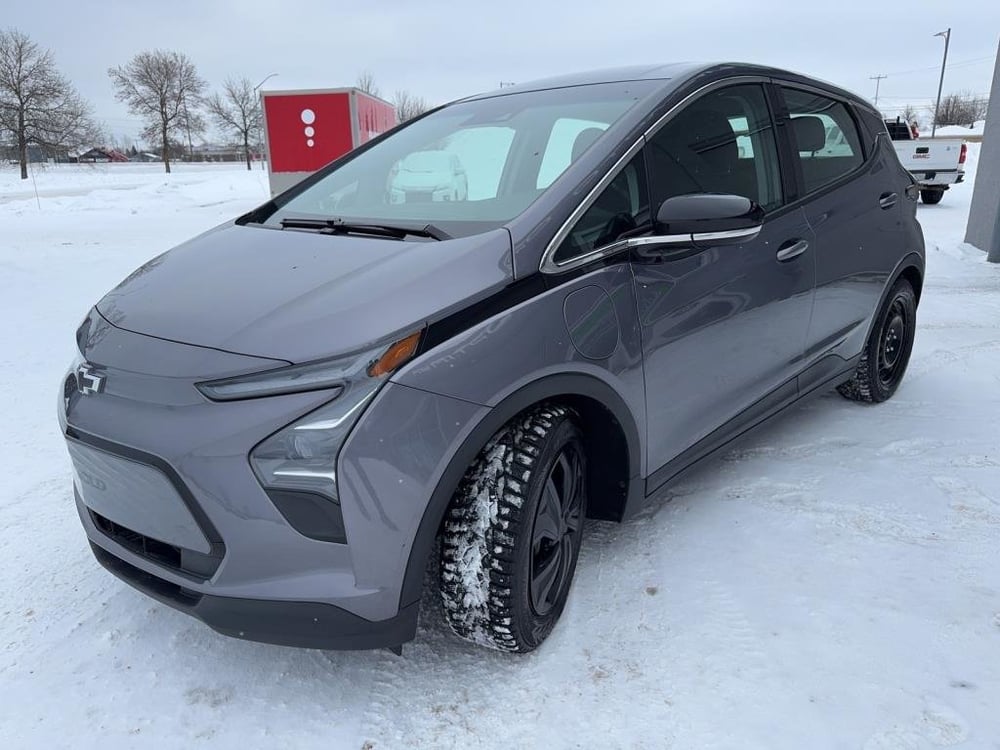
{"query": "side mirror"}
pixel 706 218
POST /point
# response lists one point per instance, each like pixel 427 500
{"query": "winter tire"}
pixel 887 351
pixel 931 197
pixel 512 535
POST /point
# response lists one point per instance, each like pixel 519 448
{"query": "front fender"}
pixel 537 349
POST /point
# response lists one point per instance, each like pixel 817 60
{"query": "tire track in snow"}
pixel 890 522
pixel 727 632
pixel 930 362
pixel 938 725
pixel 975 515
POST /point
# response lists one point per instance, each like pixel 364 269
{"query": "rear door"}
pixel 722 327
pixel 852 201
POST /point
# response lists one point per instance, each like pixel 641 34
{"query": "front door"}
pixel 723 327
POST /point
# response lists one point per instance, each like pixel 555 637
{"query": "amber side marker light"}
pixel 395 356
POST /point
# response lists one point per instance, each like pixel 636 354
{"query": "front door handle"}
pixel 791 249
pixel 887 200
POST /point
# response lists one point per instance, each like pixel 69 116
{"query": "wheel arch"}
pixel 911 268
pixel 609 430
pixel 914 275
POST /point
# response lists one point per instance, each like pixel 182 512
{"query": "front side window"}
pixel 826 137
pixel 722 143
pixel 622 207
pixel 470 166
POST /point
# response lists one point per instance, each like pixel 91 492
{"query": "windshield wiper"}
pixel 339 226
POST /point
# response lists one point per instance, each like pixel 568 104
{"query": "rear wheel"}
pixel 887 352
pixel 931 196
pixel 512 535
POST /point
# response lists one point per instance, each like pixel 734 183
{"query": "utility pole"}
pixel 944 62
pixel 878 80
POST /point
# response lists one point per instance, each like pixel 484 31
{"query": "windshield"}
pixel 471 166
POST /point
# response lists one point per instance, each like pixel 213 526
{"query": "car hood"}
pixel 299 296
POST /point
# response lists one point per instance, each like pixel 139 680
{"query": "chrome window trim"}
pixel 740 235
pixel 730 234
pixel 548 263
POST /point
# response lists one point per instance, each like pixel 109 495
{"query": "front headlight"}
pixel 303 455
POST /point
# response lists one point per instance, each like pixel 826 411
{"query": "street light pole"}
pixel 944 62
pixel 266 78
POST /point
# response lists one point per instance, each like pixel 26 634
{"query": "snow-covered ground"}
pixel 831 582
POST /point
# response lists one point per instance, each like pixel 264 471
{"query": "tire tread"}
pixel 476 529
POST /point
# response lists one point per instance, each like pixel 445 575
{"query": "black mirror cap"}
pixel 700 213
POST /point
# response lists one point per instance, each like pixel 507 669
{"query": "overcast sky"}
pixel 445 50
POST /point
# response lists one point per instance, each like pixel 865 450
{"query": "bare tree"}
pixel 366 82
pixel 38 106
pixel 407 105
pixel 909 113
pixel 236 111
pixel 164 89
pixel 963 108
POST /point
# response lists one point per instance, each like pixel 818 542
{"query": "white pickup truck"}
pixel 935 163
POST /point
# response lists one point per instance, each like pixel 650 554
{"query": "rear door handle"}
pixel 887 200
pixel 791 249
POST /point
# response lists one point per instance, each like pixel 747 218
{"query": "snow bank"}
pixel 954 130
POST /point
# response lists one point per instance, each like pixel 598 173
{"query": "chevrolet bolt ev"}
pixel 274 426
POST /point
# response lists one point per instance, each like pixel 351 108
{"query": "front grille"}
pixel 143 494
pixel 419 196
pixel 159 552
pixel 182 560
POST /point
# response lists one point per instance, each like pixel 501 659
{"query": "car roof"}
pixel 672 75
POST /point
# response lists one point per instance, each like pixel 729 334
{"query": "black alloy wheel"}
pixel 557 524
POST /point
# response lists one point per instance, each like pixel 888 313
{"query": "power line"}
pixel 959 64
pixel 924 97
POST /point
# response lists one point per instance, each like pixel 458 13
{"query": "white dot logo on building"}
pixel 309 117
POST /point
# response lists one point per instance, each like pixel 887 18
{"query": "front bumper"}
pixel 203 535
pixel 302 624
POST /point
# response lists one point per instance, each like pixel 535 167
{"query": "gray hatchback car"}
pixel 274 426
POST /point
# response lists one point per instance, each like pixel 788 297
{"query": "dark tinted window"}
pixel 622 207
pixel 722 143
pixel 898 130
pixel 826 137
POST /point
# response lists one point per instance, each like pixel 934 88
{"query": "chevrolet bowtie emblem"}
pixel 87 381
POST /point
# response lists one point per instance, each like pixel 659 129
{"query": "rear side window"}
pixel 826 137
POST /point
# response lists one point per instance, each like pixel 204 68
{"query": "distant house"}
pixel 101 156
pixel 145 156
pixel 36 154
pixel 217 152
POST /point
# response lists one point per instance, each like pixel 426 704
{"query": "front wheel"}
pixel 887 352
pixel 931 197
pixel 512 535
